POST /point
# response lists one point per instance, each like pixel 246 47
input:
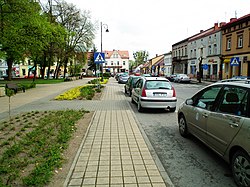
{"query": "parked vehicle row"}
pixel 218 115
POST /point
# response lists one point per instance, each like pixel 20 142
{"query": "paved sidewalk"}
pixel 114 152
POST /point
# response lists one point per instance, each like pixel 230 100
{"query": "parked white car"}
pixel 154 92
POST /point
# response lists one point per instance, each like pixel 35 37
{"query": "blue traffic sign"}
pixel 99 57
pixel 205 66
pixel 234 61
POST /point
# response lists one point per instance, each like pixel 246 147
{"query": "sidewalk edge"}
pixel 158 163
pixel 65 184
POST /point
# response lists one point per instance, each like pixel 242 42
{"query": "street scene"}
pixel 139 93
pixel 174 161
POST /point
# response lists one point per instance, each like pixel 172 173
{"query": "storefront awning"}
pixel 159 63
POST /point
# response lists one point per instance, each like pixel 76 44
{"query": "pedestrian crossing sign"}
pixel 99 57
pixel 235 61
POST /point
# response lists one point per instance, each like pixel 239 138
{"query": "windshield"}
pixel 158 85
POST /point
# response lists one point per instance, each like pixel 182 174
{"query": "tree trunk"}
pixel 9 63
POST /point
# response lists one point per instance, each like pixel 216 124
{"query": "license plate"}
pixel 160 94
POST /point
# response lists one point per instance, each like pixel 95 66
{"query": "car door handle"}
pixel 205 115
pixel 233 124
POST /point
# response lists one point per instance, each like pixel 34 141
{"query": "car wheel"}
pixel 139 107
pixel 125 91
pixel 132 100
pixel 129 93
pixel 172 109
pixel 240 166
pixel 183 126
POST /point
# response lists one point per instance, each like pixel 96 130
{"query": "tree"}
pixel 140 57
pixel 80 31
pixel 16 17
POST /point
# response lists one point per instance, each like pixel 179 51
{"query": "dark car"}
pixel 130 84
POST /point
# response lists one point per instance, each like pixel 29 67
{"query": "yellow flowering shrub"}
pixel 71 94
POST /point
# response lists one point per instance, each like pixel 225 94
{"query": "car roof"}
pixel 155 78
pixel 243 83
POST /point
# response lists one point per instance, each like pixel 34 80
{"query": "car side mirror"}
pixel 189 102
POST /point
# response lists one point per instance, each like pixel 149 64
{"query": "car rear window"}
pixel 158 84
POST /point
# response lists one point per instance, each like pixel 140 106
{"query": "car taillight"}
pixel 143 93
pixel 174 92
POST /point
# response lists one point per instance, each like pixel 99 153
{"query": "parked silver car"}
pixel 154 92
pixel 219 115
pixel 123 78
pixel 182 78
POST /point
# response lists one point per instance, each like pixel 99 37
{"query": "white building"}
pixel 168 63
pixel 116 61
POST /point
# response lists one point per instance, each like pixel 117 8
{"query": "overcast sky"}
pixel 155 25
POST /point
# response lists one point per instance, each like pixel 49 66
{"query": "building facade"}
pixel 204 50
pixel 236 47
pixel 180 57
pixel 167 68
pixel 116 61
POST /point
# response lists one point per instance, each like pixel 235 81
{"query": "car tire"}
pixel 240 166
pixel 129 93
pixel 132 100
pixel 183 130
pixel 125 90
pixel 139 107
pixel 172 109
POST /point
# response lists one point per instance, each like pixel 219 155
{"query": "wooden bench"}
pixel 15 87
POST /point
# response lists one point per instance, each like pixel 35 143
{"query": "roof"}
pixel 236 20
pixel 122 54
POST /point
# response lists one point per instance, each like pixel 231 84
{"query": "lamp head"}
pixel 107 30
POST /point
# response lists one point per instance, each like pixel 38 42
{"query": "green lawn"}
pixel 37 81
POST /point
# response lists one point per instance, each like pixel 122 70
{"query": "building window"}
pixel 182 52
pixel 185 51
pixel 240 41
pixel 124 63
pixel 191 53
pixel 209 50
pixel 215 49
pixel 195 53
pixel 112 63
pixel 117 63
pixel 228 43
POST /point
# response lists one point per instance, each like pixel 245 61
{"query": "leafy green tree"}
pixel 16 17
pixel 140 57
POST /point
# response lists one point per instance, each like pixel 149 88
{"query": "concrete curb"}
pixel 158 163
pixel 78 153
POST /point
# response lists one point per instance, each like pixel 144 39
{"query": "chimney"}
pixel 233 19
pixel 156 55
pixel 201 31
pixel 216 26
pixel 222 24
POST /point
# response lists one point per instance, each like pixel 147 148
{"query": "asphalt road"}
pixel 188 162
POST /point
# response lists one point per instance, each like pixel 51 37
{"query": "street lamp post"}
pixel 105 26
